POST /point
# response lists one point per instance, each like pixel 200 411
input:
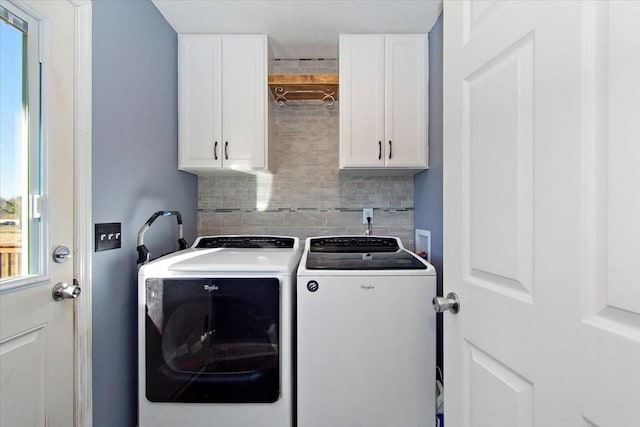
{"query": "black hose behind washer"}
pixel 143 252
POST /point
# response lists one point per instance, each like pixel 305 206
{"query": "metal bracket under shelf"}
pixel 304 87
pixel 283 96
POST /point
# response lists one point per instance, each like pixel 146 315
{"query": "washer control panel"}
pixel 354 244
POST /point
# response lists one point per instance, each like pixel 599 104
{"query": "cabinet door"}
pixel 406 100
pixel 362 101
pixel 199 102
pixel 244 98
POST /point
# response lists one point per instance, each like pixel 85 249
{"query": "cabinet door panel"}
pixel 362 101
pixel 199 101
pixel 244 101
pixel 406 100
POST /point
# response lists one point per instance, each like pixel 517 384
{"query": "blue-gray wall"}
pixel 428 184
pixel 134 174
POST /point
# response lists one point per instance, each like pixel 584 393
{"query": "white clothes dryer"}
pixel 215 334
pixel 366 334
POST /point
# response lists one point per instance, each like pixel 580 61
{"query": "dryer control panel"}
pixel 247 242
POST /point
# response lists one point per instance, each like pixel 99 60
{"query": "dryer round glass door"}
pixel 212 340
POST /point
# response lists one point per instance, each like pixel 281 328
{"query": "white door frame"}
pixel 83 401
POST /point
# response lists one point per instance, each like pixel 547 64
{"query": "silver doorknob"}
pixel 442 304
pixel 63 291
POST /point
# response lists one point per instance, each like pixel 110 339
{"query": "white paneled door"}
pixel 37 358
pixel 542 213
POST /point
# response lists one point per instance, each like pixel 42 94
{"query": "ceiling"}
pixel 300 29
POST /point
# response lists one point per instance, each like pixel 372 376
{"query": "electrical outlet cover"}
pixel 367 212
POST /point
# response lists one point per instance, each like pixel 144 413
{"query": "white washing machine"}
pixel 215 334
pixel 366 334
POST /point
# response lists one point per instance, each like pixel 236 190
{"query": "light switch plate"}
pixel 108 236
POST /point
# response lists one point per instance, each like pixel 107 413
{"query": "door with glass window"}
pixel 37 70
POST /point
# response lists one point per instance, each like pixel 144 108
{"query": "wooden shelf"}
pixel 303 87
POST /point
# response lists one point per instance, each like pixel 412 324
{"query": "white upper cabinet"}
pixel 383 103
pixel 223 114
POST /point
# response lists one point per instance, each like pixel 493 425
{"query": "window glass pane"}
pixel 19 148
